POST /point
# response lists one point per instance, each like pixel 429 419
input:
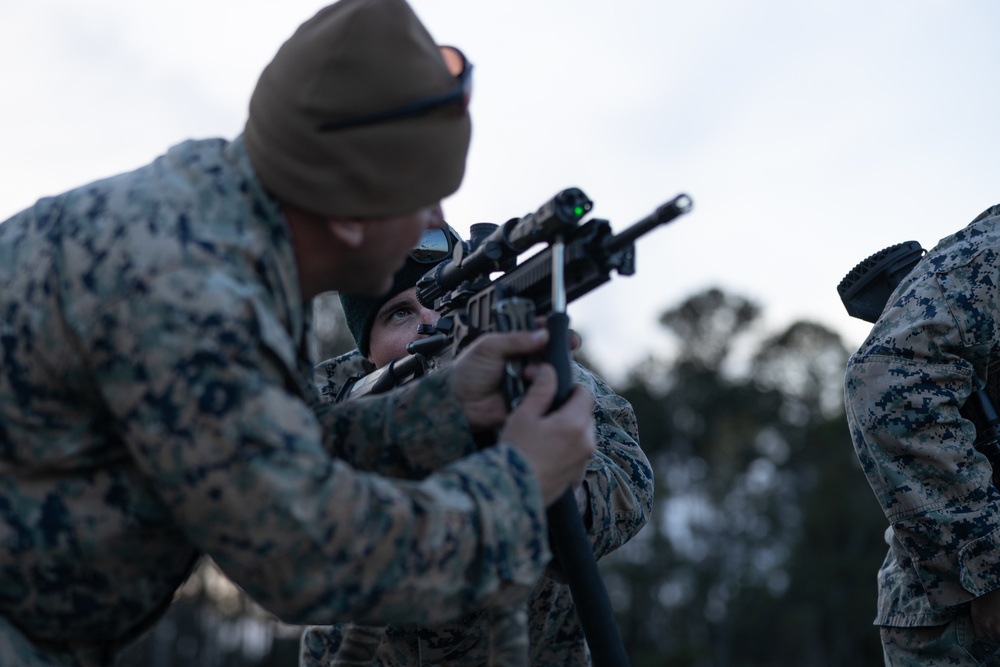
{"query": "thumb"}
pixel 541 392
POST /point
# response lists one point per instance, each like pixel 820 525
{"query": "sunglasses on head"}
pixel 435 245
pixel 459 95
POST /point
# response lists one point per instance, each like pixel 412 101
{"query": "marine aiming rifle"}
pixel 865 292
pixel 471 301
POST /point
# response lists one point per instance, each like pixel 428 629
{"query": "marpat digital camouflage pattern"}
pixel 156 403
pixel 904 389
pixel 619 482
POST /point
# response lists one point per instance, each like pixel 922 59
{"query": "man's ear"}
pixel 351 233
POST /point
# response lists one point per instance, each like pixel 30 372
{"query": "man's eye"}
pixel 399 313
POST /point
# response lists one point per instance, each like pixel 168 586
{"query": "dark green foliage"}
pixel 766 539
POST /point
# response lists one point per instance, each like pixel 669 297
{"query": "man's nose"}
pixel 428 316
pixel 435 217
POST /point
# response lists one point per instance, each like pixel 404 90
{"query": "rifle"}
pixel 865 292
pixel 578 259
pixel 463 293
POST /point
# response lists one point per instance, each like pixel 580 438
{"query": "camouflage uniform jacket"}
pixel 904 389
pixel 619 483
pixel 156 402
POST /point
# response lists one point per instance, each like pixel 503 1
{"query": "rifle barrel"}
pixel 674 208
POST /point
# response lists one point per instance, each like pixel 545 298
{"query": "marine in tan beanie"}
pixel 316 136
pixel 177 420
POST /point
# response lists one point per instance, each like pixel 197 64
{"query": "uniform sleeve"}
pixel 619 479
pixel 904 390
pixel 332 375
pixel 407 450
pixel 201 378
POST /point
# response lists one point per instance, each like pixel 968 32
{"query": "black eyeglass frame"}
pixel 460 92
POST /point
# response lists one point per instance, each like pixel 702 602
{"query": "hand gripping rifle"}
pixel 471 302
pixel 865 291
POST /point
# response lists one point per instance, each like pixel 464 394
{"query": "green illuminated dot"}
pixel 578 210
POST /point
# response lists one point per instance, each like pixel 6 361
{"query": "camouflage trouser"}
pixel 952 644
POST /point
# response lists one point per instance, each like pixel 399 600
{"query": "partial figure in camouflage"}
pixel 156 394
pixel 615 499
pixel 939 587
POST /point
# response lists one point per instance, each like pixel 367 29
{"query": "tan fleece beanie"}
pixel 357 57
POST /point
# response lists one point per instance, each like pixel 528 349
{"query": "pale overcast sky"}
pixel 808 133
